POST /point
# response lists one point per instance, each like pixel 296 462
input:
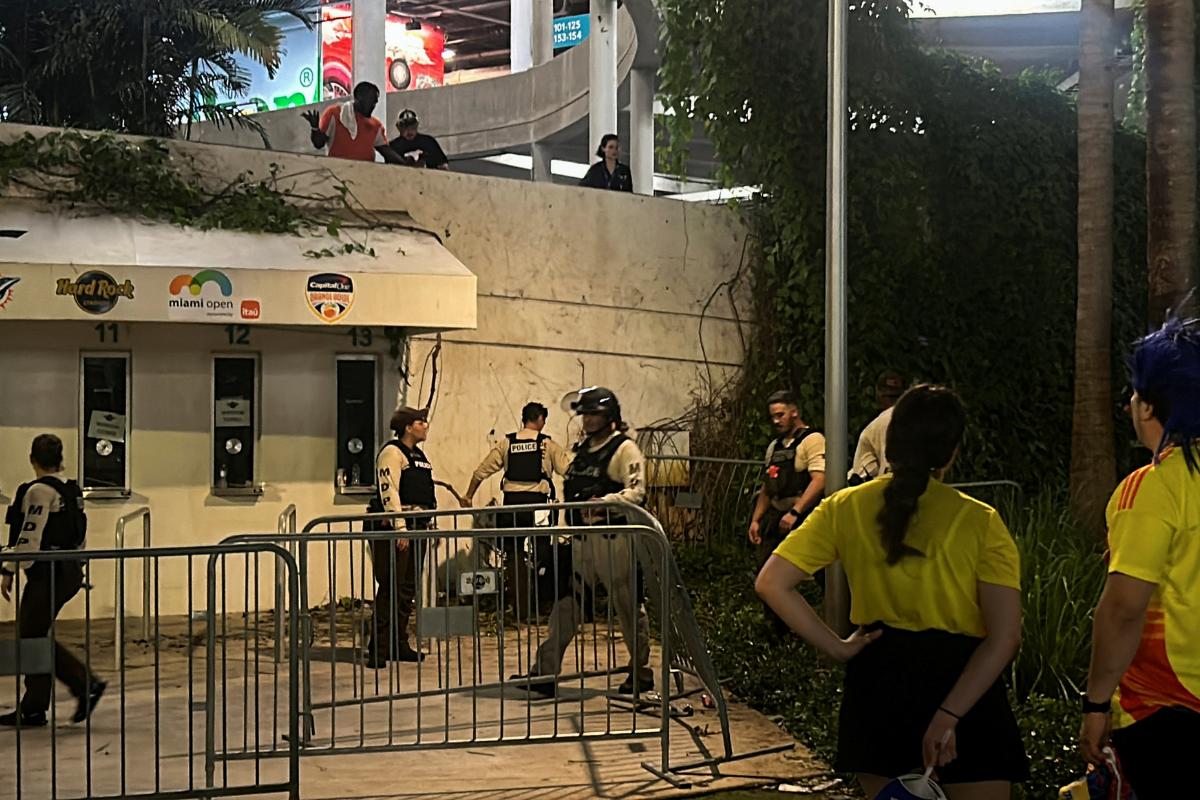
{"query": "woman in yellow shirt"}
pixel 935 592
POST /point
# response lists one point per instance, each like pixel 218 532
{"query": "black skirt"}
pixel 894 687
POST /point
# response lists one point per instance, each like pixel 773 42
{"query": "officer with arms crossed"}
pixel 404 481
pixel 47 514
pixel 529 459
pixel 607 466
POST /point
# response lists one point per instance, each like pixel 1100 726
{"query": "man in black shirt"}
pixel 417 149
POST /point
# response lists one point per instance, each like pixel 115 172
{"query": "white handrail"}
pixel 118 605
pixel 286 524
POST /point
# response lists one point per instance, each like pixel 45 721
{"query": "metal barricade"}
pixel 700 500
pixel 189 711
pixel 709 501
pixel 518 626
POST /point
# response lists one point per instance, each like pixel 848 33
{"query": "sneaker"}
pixel 88 704
pixel 16 718
pixel 645 685
pixel 538 684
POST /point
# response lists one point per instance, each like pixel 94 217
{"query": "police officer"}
pixel 607 466
pixel 529 459
pixel 870 459
pixel 793 483
pixel 47 514
pixel 404 482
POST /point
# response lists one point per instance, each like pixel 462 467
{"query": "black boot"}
pixel 372 658
pixel 15 718
pixel 87 704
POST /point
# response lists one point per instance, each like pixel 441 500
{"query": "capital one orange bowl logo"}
pixel 329 296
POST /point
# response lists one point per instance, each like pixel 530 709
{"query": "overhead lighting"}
pixel 448 54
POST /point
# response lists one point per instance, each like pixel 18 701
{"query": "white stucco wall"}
pixel 575 286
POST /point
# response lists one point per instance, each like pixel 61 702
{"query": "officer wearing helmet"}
pixel 417 149
pixel 607 466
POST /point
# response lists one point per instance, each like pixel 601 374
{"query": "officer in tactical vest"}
pixel 404 482
pixel 47 514
pixel 528 460
pixel 794 479
pixel 607 466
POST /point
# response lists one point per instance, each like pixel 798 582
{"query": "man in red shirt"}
pixel 350 130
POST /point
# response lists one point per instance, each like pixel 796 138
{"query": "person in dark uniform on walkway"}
pixel 607 466
pixel 609 173
pixel 47 514
pixel 404 481
pixel 794 481
pixel 529 460
pixel 417 149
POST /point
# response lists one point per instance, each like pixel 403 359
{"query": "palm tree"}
pixel 1170 152
pixel 136 66
pixel 1093 455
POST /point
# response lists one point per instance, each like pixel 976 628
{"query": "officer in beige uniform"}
pixel 528 460
pixel 793 483
pixel 607 466
pixel 404 481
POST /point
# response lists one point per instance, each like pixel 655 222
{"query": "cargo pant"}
pixel 606 560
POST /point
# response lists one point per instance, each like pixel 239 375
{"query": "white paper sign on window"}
pixel 106 425
pixel 233 412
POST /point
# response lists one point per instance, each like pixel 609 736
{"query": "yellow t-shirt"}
pixel 1154 536
pixel 963 541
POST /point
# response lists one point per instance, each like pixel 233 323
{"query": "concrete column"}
pixel 541 162
pixel 369 25
pixel 641 129
pixel 602 76
pixel 520 35
pixel 542 31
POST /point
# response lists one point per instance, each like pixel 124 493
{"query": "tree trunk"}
pixel 1170 153
pixel 1093 454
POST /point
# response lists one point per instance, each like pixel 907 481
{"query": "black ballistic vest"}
pixel 525 459
pixel 65 529
pixel 782 480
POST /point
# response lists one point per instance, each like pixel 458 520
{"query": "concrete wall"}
pixel 575 287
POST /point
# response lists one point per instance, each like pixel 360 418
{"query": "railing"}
pixel 707 501
pixel 286 524
pixel 490 602
pixel 119 587
pixel 138 738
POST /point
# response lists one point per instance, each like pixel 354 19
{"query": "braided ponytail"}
pixel 925 431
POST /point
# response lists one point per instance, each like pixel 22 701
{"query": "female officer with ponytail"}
pixel 935 592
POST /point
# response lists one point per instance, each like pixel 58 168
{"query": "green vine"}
pixel 962 202
pixel 144 179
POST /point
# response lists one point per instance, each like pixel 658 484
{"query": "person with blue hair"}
pixel 1143 689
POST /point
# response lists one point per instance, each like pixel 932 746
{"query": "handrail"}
pixel 118 588
pixel 286 524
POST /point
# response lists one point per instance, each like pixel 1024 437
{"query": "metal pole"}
pixel 837 435
pixel 602 76
pixel 520 35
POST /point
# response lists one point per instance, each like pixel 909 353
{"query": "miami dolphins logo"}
pixel 6 290
pixel 195 283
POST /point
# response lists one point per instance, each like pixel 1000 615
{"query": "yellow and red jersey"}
pixel 1154 536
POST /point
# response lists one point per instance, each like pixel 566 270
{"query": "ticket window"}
pixel 235 424
pixel 104 389
pixel 357 423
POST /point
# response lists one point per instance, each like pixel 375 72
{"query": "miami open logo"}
pixel 208 293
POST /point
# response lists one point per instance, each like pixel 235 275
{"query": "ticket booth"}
pixel 213 376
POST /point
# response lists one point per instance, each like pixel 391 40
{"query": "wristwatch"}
pixel 791 512
pixel 1090 707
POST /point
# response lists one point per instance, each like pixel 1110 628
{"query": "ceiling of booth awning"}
pixel 83 265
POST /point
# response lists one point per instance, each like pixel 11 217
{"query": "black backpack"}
pixel 65 529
